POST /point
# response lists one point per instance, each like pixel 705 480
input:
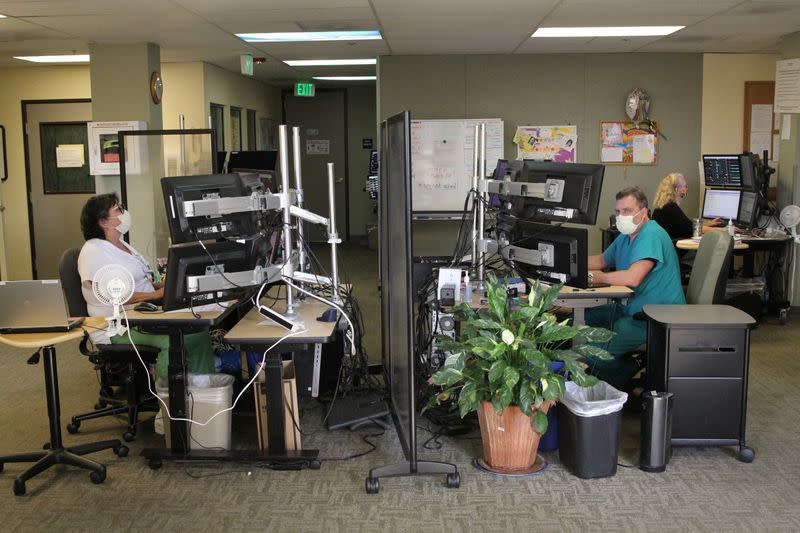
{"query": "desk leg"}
pixel 578 316
pixel 176 375
pixel 276 423
pixel 53 402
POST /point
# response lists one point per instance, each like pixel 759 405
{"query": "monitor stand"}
pixel 355 412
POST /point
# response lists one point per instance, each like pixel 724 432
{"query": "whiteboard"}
pixel 441 160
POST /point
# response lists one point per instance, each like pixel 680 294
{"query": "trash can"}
pixel 656 439
pixel 588 429
pixel 207 394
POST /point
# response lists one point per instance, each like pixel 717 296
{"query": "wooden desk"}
pixel 56 453
pixel 175 325
pixel 256 333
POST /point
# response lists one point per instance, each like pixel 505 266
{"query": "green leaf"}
pixel 497 370
pixel 497 301
pixel 510 377
pixel 455 360
pixel 557 332
pixel 525 396
pixel 506 396
pixel 593 351
pixel 540 422
pixel 591 334
pixel 447 377
pixel 485 323
pixel 550 389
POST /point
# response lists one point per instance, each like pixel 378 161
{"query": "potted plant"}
pixel 502 366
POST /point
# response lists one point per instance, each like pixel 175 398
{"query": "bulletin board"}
pixel 551 143
pixel 65 158
pixel 626 142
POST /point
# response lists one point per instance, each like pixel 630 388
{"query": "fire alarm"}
pixel 259 60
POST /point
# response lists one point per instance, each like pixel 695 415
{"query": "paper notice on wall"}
pixel 760 141
pixel 787 86
pixel 611 154
pixel 786 127
pixel 318 146
pixel 69 156
pixel 760 117
pixel 644 148
pixel 776 145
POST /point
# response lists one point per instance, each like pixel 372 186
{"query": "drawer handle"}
pixel 697 349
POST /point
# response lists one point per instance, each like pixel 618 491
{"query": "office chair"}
pixel 118 364
pixel 707 283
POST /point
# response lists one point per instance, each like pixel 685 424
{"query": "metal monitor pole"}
pixel 333 237
pixel 481 196
pixel 473 194
pixel 287 217
pixel 298 185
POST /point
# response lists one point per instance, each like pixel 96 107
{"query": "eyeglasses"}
pixel 121 208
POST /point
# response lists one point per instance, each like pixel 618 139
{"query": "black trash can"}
pixel 656 438
pixel 588 444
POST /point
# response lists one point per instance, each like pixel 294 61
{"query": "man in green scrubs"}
pixel 643 258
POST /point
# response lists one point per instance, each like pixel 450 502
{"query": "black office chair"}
pixel 118 364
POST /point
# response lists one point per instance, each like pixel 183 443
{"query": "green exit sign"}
pixel 303 89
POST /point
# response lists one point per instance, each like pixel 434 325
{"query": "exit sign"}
pixel 303 89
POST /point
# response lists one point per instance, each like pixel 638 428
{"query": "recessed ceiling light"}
pixel 344 78
pixel 300 36
pixel 610 31
pixel 72 58
pixel 328 62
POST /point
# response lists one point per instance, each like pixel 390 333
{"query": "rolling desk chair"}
pixel 118 363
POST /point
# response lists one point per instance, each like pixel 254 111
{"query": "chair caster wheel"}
pixel 73 427
pixel 19 487
pixel 98 477
pixel 746 454
pixel 154 464
pixel 121 450
pixel 453 480
pixel 314 464
pixel 373 486
pixel 46 446
pixel 129 436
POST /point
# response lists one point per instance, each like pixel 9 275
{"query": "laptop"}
pixel 34 307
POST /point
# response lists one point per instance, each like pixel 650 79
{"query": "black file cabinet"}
pixel 700 353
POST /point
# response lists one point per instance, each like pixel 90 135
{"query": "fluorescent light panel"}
pixel 2 16
pixel 328 62
pixel 610 31
pixel 344 78
pixel 72 58
pixel 305 36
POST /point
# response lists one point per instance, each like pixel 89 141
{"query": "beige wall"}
pixel 230 89
pixel 27 83
pixel 183 94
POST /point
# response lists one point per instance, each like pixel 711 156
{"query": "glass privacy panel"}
pixel 148 157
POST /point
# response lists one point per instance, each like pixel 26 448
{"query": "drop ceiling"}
pixel 204 30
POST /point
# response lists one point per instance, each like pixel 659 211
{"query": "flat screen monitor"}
pixel 580 197
pixel 247 160
pixel 182 229
pixel 722 170
pixel 565 250
pixel 748 209
pixel 192 260
pixel 721 203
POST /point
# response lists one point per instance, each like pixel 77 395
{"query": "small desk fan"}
pixel 113 285
pixel 790 218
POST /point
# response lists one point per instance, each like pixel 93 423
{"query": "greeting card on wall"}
pixel 553 143
pixel 626 142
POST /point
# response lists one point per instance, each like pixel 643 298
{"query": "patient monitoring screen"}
pixel 721 204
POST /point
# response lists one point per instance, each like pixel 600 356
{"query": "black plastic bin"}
pixel 588 445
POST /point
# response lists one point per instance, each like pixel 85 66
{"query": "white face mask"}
pixel 625 223
pixel 125 222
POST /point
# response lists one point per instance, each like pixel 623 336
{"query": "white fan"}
pixel 113 285
pixel 790 218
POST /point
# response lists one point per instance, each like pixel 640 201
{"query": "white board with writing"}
pixel 441 160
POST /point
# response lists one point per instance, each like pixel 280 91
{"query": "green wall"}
pixel 556 89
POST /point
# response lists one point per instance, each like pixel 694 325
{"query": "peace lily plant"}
pixel 505 354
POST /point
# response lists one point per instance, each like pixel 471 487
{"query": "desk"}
pixel 691 244
pixel 175 325
pixel 581 299
pixel 251 334
pixel 55 452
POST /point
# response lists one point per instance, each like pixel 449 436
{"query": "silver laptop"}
pixel 34 307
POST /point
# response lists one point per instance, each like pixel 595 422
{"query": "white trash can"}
pixel 207 394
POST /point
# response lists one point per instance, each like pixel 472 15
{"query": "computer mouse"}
pixel 330 315
pixel 146 307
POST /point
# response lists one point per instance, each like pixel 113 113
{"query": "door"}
pixel 323 140
pixel 57 186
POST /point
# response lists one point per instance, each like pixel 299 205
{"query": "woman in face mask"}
pixel 667 211
pixel 104 220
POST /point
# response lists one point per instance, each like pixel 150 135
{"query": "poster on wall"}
pixel 552 143
pixel 626 142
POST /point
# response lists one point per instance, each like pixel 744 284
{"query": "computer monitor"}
pixel 247 160
pixel 721 203
pixel 565 250
pixel 580 197
pixel 747 215
pixel 180 189
pixel 193 260
pixel 722 170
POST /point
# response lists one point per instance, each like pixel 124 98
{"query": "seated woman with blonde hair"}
pixel 667 211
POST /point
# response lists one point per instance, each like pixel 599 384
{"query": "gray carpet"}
pixel 704 488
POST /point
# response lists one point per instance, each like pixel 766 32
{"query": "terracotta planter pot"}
pixel 509 440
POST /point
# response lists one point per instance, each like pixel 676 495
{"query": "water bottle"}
pixel 467 288
pixel 730 227
pixel 697 228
